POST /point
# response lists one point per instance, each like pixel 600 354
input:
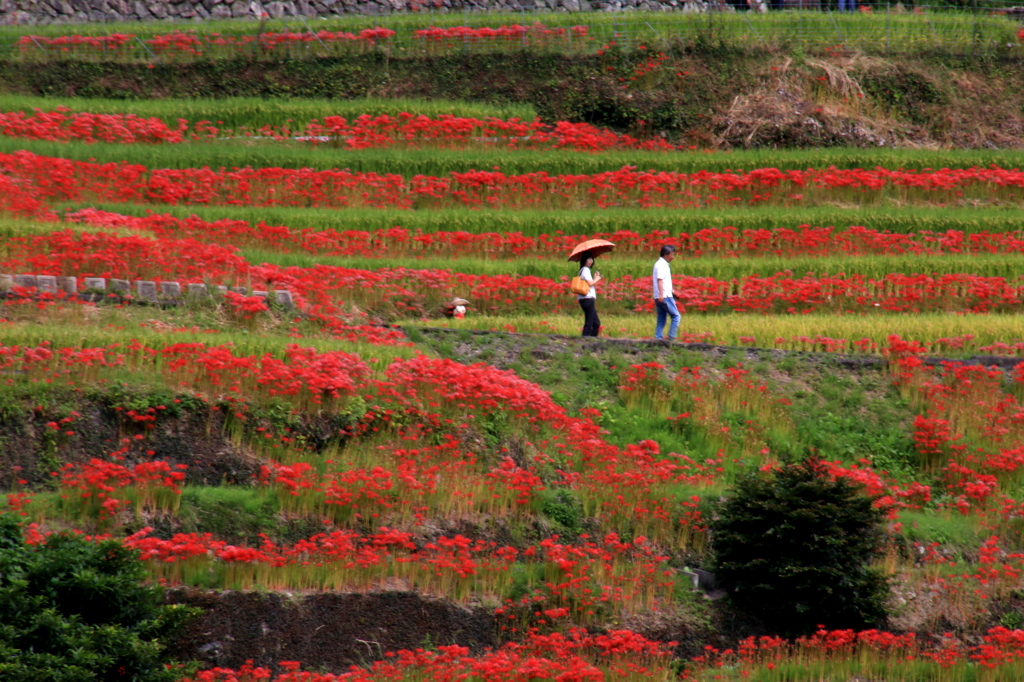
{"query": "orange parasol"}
pixel 594 246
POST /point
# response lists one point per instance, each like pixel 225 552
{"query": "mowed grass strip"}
pixel 765 329
pixel 874 267
pixel 11 227
pixel 61 334
pixel 254 112
pixel 642 221
pixel 436 162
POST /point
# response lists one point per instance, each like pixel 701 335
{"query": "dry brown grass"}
pixel 822 101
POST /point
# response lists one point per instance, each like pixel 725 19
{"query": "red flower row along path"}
pixel 57 179
pixel 364 132
pixel 323 290
pixel 177 44
pixel 182 43
pixel 726 242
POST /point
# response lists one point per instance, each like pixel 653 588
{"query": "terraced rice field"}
pixel 360 441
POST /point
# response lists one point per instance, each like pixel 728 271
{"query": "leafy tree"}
pixel 793 548
pixel 73 609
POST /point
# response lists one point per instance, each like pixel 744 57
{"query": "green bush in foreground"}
pixel 71 609
pixel 793 548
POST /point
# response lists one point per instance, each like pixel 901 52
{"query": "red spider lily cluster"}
pixel 408 130
pixel 181 43
pixel 727 242
pixel 246 306
pixel 413 292
pixel 967 432
pixel 576 656
pixel 604 576
pixel 18 198
pixel 623 487
pixel 398 485
pixel 66 180
pixel 365 132
pixel 61 125
pixel 889 495
pixel 649 65
pixel 112 42
pixel 305 378
pixel 834 654
pixel 135 257
pixel 513 33
pixel 190 44
pixel 101 489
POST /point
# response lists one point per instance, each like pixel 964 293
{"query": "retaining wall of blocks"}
pixel 27 12
pixel 139 290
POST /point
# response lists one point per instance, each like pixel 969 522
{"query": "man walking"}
pixel 663 300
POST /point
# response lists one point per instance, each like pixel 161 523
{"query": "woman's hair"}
pixel 584 257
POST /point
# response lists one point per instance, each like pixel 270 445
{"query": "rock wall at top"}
pixel 29 12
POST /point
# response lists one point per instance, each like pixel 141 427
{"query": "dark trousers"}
pixel 591 322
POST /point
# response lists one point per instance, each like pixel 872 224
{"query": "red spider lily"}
pixel 178 44
pixel 153 484
pixel 304 377
pixel 576 656
pixel 407 292
pixel 718 242
pixel 888 495
pixel 364 132
pixel 66 180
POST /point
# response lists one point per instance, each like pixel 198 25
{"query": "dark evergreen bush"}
pixel 73 610
pixel 793 548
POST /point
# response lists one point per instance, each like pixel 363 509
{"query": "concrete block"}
pixel 196 289
pixel 95 283
pixel 25 281
pixel 240 290
pixel 6 283
pixel 260 294
pixel 221 289
pixel 170 289
pixel 146 290
pixel 284 298
pixel 46 284
pixel 120 286
pixel 69 285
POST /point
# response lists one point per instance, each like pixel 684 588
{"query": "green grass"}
pixel 987 265
pixel 643 221
pixel 727 329
pixel 64 335
pixel 947 528
pixel 851 416
pixel 18 227
pixel 410 162
pixel 254 112
pixel 841 415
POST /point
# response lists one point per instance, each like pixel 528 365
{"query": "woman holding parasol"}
pixel 584 285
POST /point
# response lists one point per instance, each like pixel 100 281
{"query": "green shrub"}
pixel 793 548
pixel 71 609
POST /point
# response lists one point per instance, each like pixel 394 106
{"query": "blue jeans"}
pixel 847 5
pixel 667 309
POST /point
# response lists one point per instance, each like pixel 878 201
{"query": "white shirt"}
pixel 589 278
pixel 662 271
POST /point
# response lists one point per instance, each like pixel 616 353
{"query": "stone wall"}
pixel 30 12
pixel 144 291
